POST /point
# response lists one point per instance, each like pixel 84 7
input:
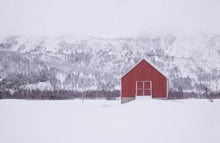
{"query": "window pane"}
pixel 139 92
pixel 146 85
pixel 140 84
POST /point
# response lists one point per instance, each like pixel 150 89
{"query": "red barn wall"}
pixel 141 72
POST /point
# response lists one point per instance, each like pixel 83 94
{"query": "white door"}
pixel 144 88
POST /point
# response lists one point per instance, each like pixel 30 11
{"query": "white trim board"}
pixel 144 88
pixel 154 66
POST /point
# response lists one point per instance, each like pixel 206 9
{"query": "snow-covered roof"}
pixel 154 66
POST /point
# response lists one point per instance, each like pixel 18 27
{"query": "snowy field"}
pixel 101 121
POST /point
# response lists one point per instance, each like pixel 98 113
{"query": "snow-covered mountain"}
pixel 190 61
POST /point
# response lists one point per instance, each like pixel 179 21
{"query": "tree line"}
pixel 95 94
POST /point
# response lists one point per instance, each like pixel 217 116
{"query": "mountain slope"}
pixel 191 61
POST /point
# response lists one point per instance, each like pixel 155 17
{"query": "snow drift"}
pixel 99 121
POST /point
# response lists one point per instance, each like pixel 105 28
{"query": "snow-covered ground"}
pixel 101 121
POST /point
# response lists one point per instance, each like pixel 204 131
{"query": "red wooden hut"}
pixel 144 79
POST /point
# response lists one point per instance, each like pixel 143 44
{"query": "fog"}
pixel 107 18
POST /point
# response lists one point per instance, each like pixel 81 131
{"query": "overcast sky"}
pixel 107 18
